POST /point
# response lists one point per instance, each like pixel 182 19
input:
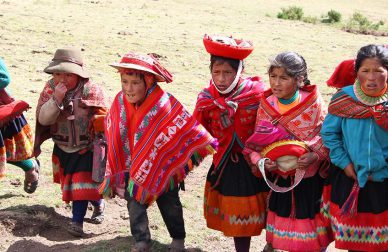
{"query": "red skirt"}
pixel 364 230
pixel 294 221
pixel 74 172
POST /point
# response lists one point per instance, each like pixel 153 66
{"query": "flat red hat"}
pixel 227 47
pixel 344 75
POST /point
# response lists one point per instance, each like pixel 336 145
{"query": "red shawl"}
pixel 157 144
pixel 304 121
pixel 9 108
pixel 229 118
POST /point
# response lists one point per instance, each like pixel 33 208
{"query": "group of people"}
pixel 281 162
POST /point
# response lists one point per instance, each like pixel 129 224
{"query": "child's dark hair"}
pixel 293 63
pixel 372 51
pixel 232 62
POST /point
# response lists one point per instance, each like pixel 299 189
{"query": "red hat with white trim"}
pixel 146 63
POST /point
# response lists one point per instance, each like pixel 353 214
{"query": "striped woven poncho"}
pixel 157 144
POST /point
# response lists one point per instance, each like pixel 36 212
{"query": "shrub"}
pixel 310 19
pixel 334 16
pixel 291 13
pixel 359 22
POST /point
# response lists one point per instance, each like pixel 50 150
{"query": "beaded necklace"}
pixel 366 99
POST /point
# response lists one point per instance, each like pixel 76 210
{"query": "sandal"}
pixel 33 174
pixel 98 214
pixel 76 229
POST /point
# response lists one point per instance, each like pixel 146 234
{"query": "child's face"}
pixel 283 86
pixel 223 75
pixel 372 76
pixel 70 80
pixel 134 87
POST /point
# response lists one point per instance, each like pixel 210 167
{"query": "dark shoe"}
pixel 98 214
pixel 76 229
pixel 31 180
pixel 177 245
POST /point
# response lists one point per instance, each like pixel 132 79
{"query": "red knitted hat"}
pixel 227 47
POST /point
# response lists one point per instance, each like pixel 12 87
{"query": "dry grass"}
pixel 31 30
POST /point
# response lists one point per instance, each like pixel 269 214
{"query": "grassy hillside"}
pixel 31 31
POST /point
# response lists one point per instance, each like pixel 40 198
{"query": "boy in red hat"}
pixel 294 110
pixel 153 143
pixel 234 198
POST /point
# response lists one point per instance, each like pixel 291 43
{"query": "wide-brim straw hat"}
pixel 227 47
pixel 67 61
pixel 145 63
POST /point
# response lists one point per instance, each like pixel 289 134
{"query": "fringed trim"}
pixel 106 188
pixel 349 208
pixel 143 196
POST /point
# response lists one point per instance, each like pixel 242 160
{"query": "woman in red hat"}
pixel 234 198
pixel 291 113
pixel 70 111
pixel 356 132
pixel 153 143
pixel 16 138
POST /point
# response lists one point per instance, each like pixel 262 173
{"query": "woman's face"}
pixel 282 85
pixel 70 80
pixel 223 75
pixel 372 76
pixel 134 88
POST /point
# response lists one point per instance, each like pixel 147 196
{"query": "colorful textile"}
pixel 294 222
pixel 16 142
pixel 303 121
pixel 343 105
pixel 73 171
pixel 93 97
pixel 296 234
pixel 229 118
pixel 235 204
pixel 153 143
pixel 367 230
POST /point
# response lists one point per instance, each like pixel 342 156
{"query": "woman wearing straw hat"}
pixel 234 198
pixel 16 138
pixel 153 143
pixel 71 110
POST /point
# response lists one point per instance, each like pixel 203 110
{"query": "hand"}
pixel 306 160
pixel 350 172
pixel 59 92
pixel 270 165
pixel 254 157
